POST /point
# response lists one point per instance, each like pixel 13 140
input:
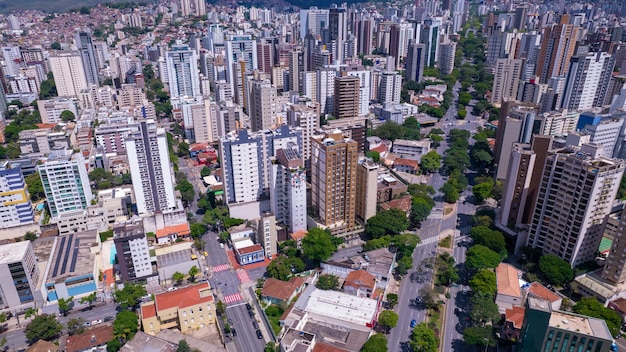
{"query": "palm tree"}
pixel 31 312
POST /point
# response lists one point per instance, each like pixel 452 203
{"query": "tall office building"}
pixel 15 206
pixel 313 20
pixel 149 161
pixel 429 36
pixel 390 87
pixel 447 52
pixel 288 189
pixel 347 98
pixel 338 24
pixel 415 60
pixel 199 8
pixel 84 43
pixel 587 81
pixel 263 107
pixel 506 80
pixel 20 276
pixel 576 193
pixel 65 182
pixel 246 162
pixel 69 75
pixel 182 72
pixel 333 181
pixel 557 47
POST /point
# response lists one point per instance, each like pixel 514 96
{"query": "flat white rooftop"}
pixel 243 243
pixel 341 306
pixel 13 252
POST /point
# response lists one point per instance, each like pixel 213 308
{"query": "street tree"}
pixel 90 299
pixel 481 257
pixel 220 308
pixel 193 271
pixel 484 310
pixel 450 193
pixel 388 319
pixel 392 299
pixel 556 270
pixel 205 171
pixel 270 347
pixel 591 307
pixel 317 245
pixel 183 346
pixel 31 312
pixel 423 339
pixel 65 305
pixel 479 336
pixel 43 327
pixel 420 209
pixel 327 282
pixel 489 238
pixel 387 222
pixel 75 326
pixel 484 281
pixel 178 277
pixel 129 296
pixel 482 191
pixel 197 230
pixel 430 162
pixel 376 343
pixel 125 325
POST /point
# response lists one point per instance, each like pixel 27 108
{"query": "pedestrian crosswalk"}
pixel 235 297
pixel 221 267
pixel 429 240
pixel 243 276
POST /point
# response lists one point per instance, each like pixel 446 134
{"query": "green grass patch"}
pixel 446 242
pixel 273 313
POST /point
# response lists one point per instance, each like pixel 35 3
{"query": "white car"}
pixel 96 322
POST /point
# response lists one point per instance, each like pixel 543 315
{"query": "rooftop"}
pixel 580 324
pixel 507 281
pixel 93 337
pixel 180 230
pixel 143 342
pixel 173 258
pixel 13 252
pixel 72 256
pixel 280 289
pixel 338 306
pixel 184 297
pixel 360 278
pixel 515 316
pixel 537 290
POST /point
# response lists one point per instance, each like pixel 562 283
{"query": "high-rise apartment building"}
pixel 333 181
pixel 20 276
pixel 149 160
pixel 265 54
pixel 447 52
pixel 506 80
pixel 241 58
pixel 65 182
pixel 587 81
pixel 363 26
pixel 575 194
pixel 614 268
pixel 15 206
pixel 366 189
pixel 12 60
pixel 326 89
pixel 307 117
pixel 296 68
pixel 516 126
pixel 390 87
pixel 365 81
pixel 182 72
pixel 85 46
pixel 133 254
pixel 288 189
pixel 263 107
pixel 199 8
pixel 557 47
pixel 347 97
pixel 415 60
pixel 313 20
pixel 69 75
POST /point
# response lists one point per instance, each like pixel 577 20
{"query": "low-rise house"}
pixel 538 290
pixel 94 339
pixel 379 263
pixel 277 291
pixel 508 292
pixel 189 308
pixel 169 234
pixel 360 283
pixel 513 319
pixel 409 166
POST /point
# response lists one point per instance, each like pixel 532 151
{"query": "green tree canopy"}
pixel 388 319
pixel 178 277
pixel 327 282
pixel 481 257
pixel 450 193
pixel 487 237
pixel 43 327
pixel 387 222
pixel 205 171
pixel 479 336
pixel 129 295
pixel 423 339
pixel 376 343
pixel 75 326
pixel 125 325
pixel 183 346
pixel 482 191
pixel 282 267
pixel 484 281
pixel 35 188
pixel 431 162
pixel 420 209
pixel 193 271
pixel 555 270
pixel 318 245
pixel 68 116
pixel 65 305
pixel 484 309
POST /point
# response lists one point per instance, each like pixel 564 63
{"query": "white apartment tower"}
pixel 15 206
pixel 69 75
pixel 576 192
pixel 506 79
pixel 182 71
pixel 263 107
pixel 587 81
pixel 149 161
pixel 390 87
pixel 65 182
pixel 288 189
pixel 326 89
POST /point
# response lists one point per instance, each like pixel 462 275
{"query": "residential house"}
pixel 508 293
pixel 513 320
pixel 94 339
pixel 539 291
pixel 189 308
pixel 360 283
pixel 43 346
pixel 277 291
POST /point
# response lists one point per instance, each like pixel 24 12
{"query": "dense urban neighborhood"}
pixel 402 176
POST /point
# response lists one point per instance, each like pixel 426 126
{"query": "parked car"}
pixel 251 313
pixel 255 324
pixel 248 306
pixel 259 334
pixel 86 324
pixel 96 322
pixel 233 331
pixel 106 319
pixel 413 323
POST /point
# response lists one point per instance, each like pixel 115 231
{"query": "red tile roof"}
pixel 323 347
pixel 360 278
pixel 180 230
pixel 298 235
pixel 183 297
pixel 515 316
pixel 507 281
pixel 537 290
pixel 247 250
pixel 93 337
pixel 281 290
pixel 406 162
pixel 148 310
